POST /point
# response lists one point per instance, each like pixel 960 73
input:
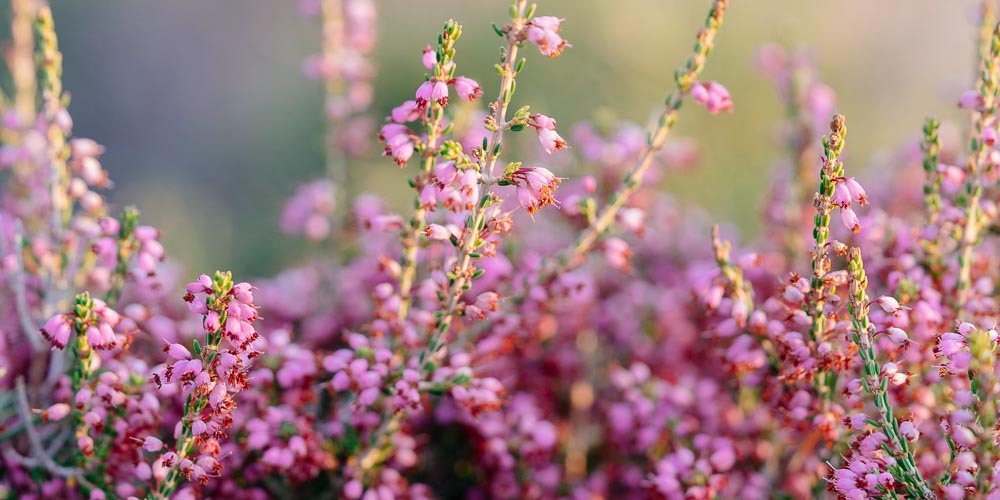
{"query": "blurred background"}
pixel 210 125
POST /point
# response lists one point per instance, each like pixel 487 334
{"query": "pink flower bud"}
pixel 199 427
pixel 856 191
pixel 152 444
pixel 713 96
pixel 406 112
pixel 178 351
pixel 437 232
pixel 56 412
pixel 897 335
pixel 888 304
pixel 429 58
pixel 989 136
pixel 212 322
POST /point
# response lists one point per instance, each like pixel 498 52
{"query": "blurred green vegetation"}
pixel 210 126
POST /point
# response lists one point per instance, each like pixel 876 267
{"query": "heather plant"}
pixel 518 332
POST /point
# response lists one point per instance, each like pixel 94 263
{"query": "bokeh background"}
pixel 210 125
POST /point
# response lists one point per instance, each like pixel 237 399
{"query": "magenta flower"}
pixel 850 220
pixel 713 96
pixel 547 135
pixel 841 195
pixel 424 92
pixel 398 142
pixel 971 99
pixel 543 31
pixel 406 112
pixel 551 140
pixel 56 412
pixel 429 58
pixel 989 135
pixel 437 232
pixel 439 92
pixel 467 88
pixel 855 190
pixel 57 330
pixel 535 187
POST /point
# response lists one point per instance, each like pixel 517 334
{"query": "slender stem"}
pixel 126 247
pixel 17 282
pixel 38 450
pixel 741 291
pixel 930 146
pixel 874 383
pixel 573 255
pixel 976 161
pixel 833 145
pixel 411 237
pixel 462 273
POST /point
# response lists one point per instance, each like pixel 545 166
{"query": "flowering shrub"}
pixel 519 333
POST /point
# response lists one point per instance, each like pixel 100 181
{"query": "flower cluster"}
pixel 484 346
pixel 207 381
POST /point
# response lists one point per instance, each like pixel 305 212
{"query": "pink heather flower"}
pixel 199 427
pixel 856 191
pixel 467 88
pixel 908 430
pixel 547 135
pixel 966 328
pixel 428 197
pixel 86 445
pixel 888 304
pixel 85 148
pixel 152 444
pixel 897 335
pixel 398 142
pixel 57 330
pixel 634 219
pixel 617 253
pixel 543 31
pixel 429 58
pixel 212 322
pixel 850 220
pixel 56 412
pixel 353 489
pixel 424 91
pixel 551 140
pixel 437 232
pixel 989 135
pixel 445 173
pixel 203 285
pixel 541 121
pixel 307 211
pixel 439 92
pixel 841 195
pixel 406 112
pixel 792 294
pixel 535 187
pixel 712 296
pixel 971 99
pixel 713 96
pixel 177 351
